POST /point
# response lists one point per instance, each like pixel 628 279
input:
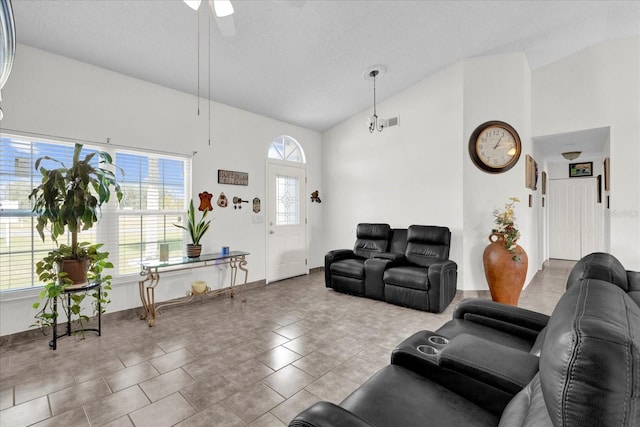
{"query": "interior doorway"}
pixel 576 223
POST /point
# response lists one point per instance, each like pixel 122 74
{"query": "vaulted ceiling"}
pixel 302 61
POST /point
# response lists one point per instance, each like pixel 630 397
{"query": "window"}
pixel 286 148
pixel 156 193
pixel 288 202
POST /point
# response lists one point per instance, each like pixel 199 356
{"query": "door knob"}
pixel 271 232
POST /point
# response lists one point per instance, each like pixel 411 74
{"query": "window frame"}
pixel 107 230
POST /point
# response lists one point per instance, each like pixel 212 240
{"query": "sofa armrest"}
pixel 393 256
pixel 503 367
pixel 325 414
pixel 373 276
pixel 331 257
pixel 443 277
pixel 513 320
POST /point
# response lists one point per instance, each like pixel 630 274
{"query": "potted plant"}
pixel 56 281
pixel 196 230
pixel 505 262
pixel 69 199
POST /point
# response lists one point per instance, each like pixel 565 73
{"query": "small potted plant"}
pixel 196 230
pixel 69 199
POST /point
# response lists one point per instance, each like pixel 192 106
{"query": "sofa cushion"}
pixel 590 360
pixel 371 239
pixel 427 244
pixel 396 396
pixel 352 267
pixel 407 277
pixel 527 408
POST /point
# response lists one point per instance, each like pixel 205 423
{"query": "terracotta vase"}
pixel 505 276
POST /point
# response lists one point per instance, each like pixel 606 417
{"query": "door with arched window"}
pixel 286 210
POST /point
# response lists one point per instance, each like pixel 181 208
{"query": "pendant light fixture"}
pixel 375 123
pixel 371 74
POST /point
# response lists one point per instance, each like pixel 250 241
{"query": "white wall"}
pixel 410 174
pixel 53 95
pixel 496 88
pixel 421 173
pixel 599 87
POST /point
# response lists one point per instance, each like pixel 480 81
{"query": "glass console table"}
pixel 151 272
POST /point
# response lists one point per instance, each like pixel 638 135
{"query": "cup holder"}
pixel 438 340
pixel 428 350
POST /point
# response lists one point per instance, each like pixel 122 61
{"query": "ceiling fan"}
pixel 223 13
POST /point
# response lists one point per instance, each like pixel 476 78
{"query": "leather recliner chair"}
pixel 587 375
pixel 425 279
pixel 525 329
pixel 344 268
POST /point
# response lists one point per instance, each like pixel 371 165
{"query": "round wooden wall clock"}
pixel 495 147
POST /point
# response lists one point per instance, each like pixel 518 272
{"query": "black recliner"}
pixel 524 329
pixel 425 279
pixel 588 374
pixel 344 268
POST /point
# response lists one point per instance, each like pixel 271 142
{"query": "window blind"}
pixel 156 191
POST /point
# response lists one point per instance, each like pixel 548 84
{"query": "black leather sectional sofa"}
pixel 498 365
pixel 408 267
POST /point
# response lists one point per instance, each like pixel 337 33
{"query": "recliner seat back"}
pixel 427 244
pixel 589 364
pixel 371 239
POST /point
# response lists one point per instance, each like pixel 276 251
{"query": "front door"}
pixel 286 221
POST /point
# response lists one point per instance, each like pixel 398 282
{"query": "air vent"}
pixel 393 121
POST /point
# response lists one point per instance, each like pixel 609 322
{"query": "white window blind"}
pixel 156 193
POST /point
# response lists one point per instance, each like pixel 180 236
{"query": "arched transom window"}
pixel 286 148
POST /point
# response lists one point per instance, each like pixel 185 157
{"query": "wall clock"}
pixel 495 147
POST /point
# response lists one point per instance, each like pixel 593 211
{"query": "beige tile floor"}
pixel 220 361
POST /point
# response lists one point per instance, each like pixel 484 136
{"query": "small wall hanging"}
pixel 223 202
pixel 315 197
pixel 237 202
pixel 580 169
pixel 205 201
pixel 232 177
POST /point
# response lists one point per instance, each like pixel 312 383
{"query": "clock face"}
pixel 495 147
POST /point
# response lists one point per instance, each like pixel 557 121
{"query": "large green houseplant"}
pixel 196 229
pixel 69 199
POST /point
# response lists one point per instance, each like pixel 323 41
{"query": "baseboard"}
pixel 129 313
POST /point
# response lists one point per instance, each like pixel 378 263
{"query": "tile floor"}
pixel 220 361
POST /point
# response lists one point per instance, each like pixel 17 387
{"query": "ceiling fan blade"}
pixel 193 4
pixel 226 25
pixel 222 8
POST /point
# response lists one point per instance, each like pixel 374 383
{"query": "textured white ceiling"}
pixel 302 62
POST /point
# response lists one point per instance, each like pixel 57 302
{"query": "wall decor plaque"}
pixel 233 177
pixel 580 169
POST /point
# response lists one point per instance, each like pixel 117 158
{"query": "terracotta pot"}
pixel 505 276
pixel 193 251
pixel 76 269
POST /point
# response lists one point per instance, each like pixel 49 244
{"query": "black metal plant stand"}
pixel 68 291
